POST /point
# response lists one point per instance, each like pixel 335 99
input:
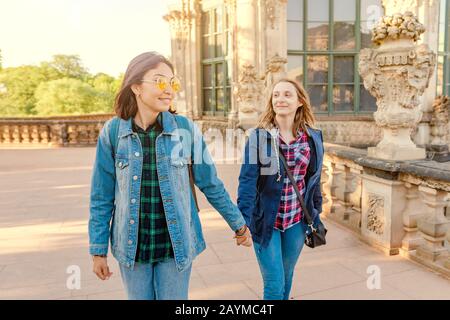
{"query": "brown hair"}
pixel 125 105
pixel 303 117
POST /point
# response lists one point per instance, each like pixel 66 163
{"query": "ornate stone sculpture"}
pixel 439 123
pixel 396 74
pixel 275 70
pixel 272 6
pixel 247 89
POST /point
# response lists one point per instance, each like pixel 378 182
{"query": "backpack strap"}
pixel 113 134
pixel 183 123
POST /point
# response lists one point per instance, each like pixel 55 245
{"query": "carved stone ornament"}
pixel 275 70
pixel 440 120
pixel 272 11
pixel 396 74
pixel 180 23
pixel 375 214
pixel 247 89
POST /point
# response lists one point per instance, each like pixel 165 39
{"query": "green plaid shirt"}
pixel 153 241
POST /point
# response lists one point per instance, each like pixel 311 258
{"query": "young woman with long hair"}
pixel 266 196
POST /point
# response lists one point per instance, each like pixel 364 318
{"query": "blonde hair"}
pixel 303 117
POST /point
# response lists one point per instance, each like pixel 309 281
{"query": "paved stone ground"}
pixel 44 198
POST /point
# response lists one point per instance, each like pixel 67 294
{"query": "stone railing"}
pixel 49 133
pixel 400 207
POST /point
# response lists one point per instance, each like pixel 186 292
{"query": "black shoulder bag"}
pixel 316 237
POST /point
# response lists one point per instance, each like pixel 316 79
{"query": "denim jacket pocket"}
pixel 179 162
pixel 122 172
pixel 121 163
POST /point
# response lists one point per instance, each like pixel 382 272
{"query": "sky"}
pixel 106 34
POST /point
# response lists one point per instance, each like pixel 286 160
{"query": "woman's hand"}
pixel 243 237
pixel 101 268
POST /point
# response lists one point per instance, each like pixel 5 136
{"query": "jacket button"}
pixel 135 178
pixel 137 154
pixel 133 200
pixel 131 221
pixel 130 242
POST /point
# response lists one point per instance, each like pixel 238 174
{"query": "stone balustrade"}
pixel 49 133
pixel 400 207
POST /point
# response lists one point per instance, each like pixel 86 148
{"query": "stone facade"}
pixel 258 43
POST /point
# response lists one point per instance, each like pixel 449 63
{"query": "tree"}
pixel 65 66
pixel 65 96
pixel 106 88
pixel 19 86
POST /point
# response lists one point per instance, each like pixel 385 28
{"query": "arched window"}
pixel 324 40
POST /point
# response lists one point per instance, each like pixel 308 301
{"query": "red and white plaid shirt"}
pixel 297 155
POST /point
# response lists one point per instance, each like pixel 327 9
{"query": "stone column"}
pixel 336 211
pixel 433 225
pixel 15 134
pixel 274 53
pixel 411 214
pixel 58 134
pixel 233 115
pixel 353 211
pixel 396 74
pixel 180 24
pixel 326 183
pixel 7 137
pixel 246 90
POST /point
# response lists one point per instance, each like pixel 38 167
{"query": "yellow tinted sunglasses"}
pixel 163 82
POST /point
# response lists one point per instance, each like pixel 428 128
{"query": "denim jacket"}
pixel 116 185
pixel 261 182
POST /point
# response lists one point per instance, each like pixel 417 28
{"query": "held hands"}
pixel 243 237
pixel 101 268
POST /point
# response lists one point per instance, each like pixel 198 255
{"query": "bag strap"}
pixel 299 196
pixel 183 123
pixel 113 134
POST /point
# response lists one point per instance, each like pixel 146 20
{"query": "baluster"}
pixel 433 224
pixel 412 239
pixel 336 190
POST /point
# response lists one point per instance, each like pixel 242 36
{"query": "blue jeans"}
pixel 277 261
pixel 156 281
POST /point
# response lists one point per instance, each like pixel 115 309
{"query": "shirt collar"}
pixel 156 126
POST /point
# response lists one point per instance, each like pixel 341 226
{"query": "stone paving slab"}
pixel 44 197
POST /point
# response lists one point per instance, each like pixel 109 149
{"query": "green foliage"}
pixel 65 66
pixel 64 96
pixel 19 84
pixel 60 86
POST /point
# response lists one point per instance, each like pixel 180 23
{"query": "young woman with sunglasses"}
pixel 140 194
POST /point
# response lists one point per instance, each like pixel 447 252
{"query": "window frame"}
pixel 445 55
pixel 216 60
pixel 331 53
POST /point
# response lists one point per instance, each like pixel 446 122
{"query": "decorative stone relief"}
pixel 400 5
pixel 275 70
pixel 248 89
pixel 180 22
pixel 272 8
pixel 440 120
pixel 375 216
